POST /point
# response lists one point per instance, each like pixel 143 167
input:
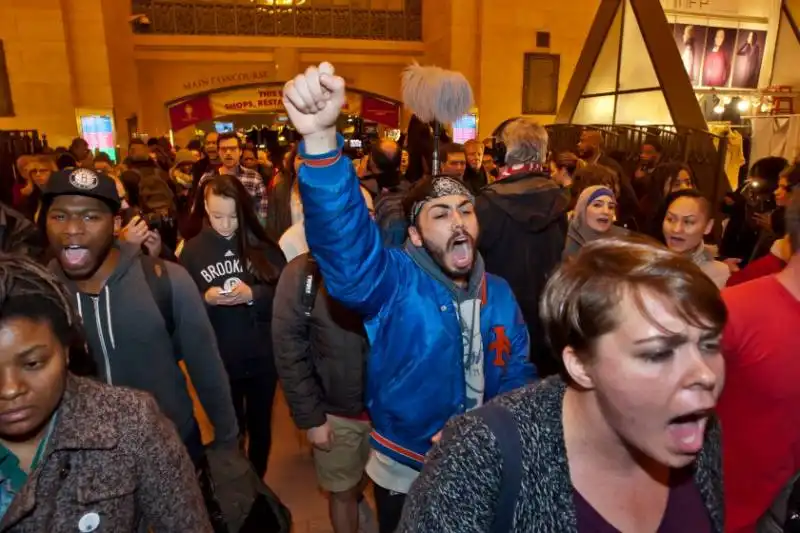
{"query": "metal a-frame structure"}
pixel 614 55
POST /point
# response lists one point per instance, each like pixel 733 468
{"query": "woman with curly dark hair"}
pixel 130 467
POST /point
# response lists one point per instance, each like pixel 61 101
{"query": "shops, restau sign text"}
pixel 267 99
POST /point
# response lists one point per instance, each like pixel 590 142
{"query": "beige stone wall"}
pixel 169 68
pixel 507 31
pixel 486 41
pixel 88 55
pixel 162 81
pixel 68 54
pixel 121 66
pixel 38 63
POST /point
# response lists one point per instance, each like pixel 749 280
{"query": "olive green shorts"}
pixel 342 468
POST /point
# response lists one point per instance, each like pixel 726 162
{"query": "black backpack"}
pixel 157 276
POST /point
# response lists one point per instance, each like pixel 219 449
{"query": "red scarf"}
pixel 513 170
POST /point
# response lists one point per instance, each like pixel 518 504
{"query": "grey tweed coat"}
pixel 113 458
pixel 458 487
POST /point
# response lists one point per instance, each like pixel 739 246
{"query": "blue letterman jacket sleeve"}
pixel 359 272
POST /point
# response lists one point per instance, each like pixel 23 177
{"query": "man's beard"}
pixel 439 254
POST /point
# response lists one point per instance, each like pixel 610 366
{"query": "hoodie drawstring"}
pixel 80 307
pixel 108 317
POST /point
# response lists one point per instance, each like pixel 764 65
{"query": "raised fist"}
pixel 314 100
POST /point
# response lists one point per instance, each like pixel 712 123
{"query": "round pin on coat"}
pixel 89 522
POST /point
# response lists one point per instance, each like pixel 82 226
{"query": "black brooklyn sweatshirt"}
pixel 243 331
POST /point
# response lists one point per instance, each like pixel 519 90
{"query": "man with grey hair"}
pixel 526 142
pixel 475 176
pixel 523 223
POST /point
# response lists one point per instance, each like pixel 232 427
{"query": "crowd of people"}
pixel 518 341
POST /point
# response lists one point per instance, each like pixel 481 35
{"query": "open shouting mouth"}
pixel 687 431
pixel 461 249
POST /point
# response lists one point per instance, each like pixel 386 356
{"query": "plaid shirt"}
pixel 252 182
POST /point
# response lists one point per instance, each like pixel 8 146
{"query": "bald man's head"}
pixel 384 162
pixel 384 156
pixel 591 144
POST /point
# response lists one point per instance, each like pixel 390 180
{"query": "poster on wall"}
pixel 190 112
pixel 718 60
pixel 465 128
pixel 720 57
pixel 98 131
pixel 748 58
pixel 691 40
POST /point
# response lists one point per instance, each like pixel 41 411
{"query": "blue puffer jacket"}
pixel 415 374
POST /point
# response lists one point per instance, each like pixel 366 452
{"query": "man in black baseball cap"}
pixel 125 327
pixel 78 208
pixel 83 182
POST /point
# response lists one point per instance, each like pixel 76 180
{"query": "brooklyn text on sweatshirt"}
pixel 243 332
pixel 221 269
pixel 213 261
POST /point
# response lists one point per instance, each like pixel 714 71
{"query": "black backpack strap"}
pixel 502 424
pixel 308 296
pixel 157 276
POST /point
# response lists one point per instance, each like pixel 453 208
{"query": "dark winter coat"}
pixel 321 359
pixel 113 454
pixel 19 235
pixel 523 226
pixel 457 490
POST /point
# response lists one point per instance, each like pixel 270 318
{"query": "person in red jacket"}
pixel 770 264
pixel 760 406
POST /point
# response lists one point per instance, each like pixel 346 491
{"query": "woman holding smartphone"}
pixel 236 267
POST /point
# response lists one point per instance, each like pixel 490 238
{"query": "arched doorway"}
pixel 257 111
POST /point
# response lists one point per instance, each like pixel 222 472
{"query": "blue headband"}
pixel 602 191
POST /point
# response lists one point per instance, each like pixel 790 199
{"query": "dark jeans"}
pixel 252 400
pixel 389 508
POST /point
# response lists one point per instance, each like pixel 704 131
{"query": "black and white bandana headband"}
pixel 440 187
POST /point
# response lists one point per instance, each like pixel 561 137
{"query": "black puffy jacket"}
pixel 321 359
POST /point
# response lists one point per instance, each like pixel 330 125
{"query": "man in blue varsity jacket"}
pixel 445 335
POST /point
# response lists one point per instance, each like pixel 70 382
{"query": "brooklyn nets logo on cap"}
pixel 84 179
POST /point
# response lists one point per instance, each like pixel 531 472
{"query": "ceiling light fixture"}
pixel 279 3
